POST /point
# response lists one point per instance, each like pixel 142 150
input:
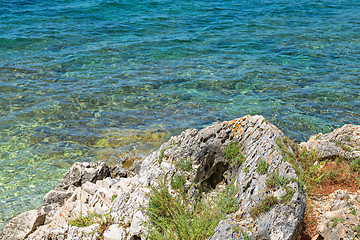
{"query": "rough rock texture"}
pixel 23 224
pixel 340 214
pixel 81 173
pixel 344 141
pixel 125 198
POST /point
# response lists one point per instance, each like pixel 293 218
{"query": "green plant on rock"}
pixel 162 152
pixel 171 217
pixel 162 155
pixel 113 197
pixel 352 210
pixel 357 231
pixel 233 154
pixel 227 201
pixel 343 146
pixel 236 228
pixel 90 219
pixel 178 182
pixel 262 167
pixel 303 162
pixel 246 237
pixel 355 165
pixel 264 206
pixel 104 223
pixel 287 196
pixel 275 181
pixel 84 220
pixel 184 165
pixel 336 221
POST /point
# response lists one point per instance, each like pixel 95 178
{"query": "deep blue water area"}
pixel 109 79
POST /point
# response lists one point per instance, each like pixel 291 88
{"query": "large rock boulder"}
pixel 262 212
pixel 344 141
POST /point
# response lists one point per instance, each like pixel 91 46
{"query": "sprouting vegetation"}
pixel 315 173
pixel 262 167
pixel 352 210
pixel 228 202
pixel 264 206
pixel 162 152
pixel 104 223
pixel 236 228
pixel 287 196
pixel 184 165
pixel 336 221
pixel 343 146
pixel 246 237
pixel 113 197
pixel 303 163
pixel 162 155
pixel 233 154
pixel 178 182
pixel 274 181
pixel 355 165
pixel 357 231
pixel 92 218
pixel 171 217
pixel 84 220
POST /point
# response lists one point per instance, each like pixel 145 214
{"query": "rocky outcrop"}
pixel 344 141
pixel 339 216
pixel 120 202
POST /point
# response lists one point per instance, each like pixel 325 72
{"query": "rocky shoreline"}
pixel 247 154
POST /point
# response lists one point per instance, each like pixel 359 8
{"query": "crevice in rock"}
pixel 215 177
pixel 135 237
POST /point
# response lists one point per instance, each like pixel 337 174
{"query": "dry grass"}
pixel 321 177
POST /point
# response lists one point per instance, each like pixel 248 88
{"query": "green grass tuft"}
pixel 162 155
pixel 264 206
pixel 184 165
pixel 352 210
pixel 287 196
pixel 343 146
pixel 355 165
pixel 262 167
pixel 274 181
pixel 178 182
pixel 357 231
pixel 236 228
pixel 104 223
pixel 233 154
pixel 172 218
pixel 113 197
pixel 84 220
pixel 303 161
pixel 228 202
pixel 336 221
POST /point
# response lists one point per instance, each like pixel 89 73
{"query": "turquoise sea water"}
pixel 105 79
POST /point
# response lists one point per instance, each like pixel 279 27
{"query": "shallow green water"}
pixel 104 80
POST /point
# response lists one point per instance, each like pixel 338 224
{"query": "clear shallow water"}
pixel 103 80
